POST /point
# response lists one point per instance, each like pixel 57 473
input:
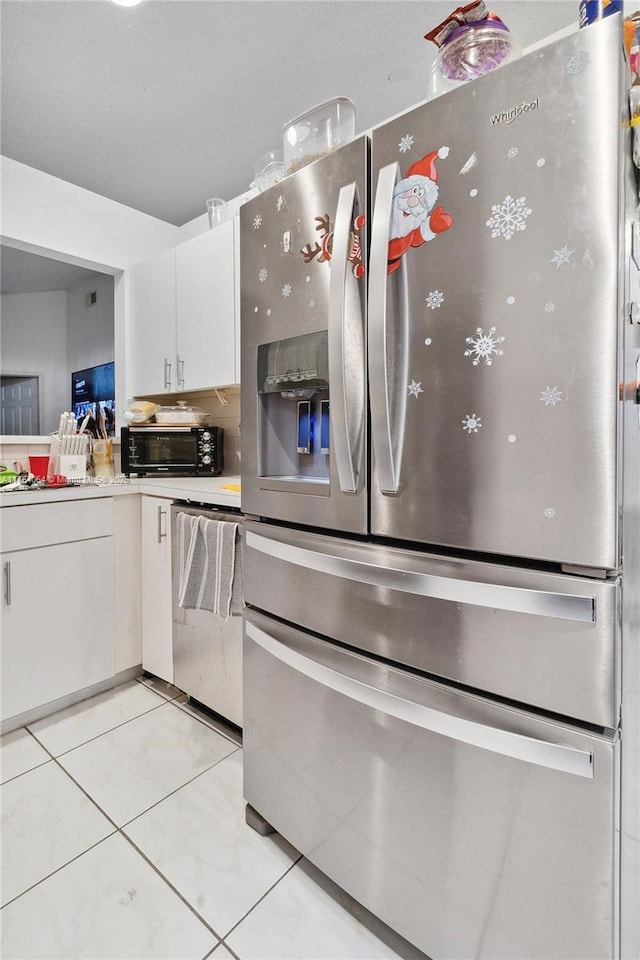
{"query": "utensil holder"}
pixel 102 455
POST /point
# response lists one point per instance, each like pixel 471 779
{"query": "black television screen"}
pixel 93 391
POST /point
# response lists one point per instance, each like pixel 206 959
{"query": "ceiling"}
pixel 24 272
pixel 162 105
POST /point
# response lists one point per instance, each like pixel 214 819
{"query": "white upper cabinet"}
pixel 206 309
pixel 152 299
pixel 183 316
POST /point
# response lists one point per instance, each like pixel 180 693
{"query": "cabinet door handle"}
pixel 180 372
pixel 167 374
pixel 161 513
pixel 7 575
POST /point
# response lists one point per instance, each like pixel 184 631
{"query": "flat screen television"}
pixel 92 391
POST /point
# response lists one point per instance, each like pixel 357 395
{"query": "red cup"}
pixel 39 467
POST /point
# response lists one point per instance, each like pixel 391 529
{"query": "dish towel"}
pixel 210 576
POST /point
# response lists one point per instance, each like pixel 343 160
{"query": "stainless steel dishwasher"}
pixel 207 650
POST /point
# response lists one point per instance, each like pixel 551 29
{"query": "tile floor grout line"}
pixel 157 870
pixel 58 869
pixel 176 789
pixel 98 735
pixel 265 894
pixel 227 947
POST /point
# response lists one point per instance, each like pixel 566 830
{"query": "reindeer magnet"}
pixel 322 249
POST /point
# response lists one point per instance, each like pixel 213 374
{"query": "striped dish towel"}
pixel 207 565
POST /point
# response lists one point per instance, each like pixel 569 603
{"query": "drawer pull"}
pixel 554 756
pixel 517 599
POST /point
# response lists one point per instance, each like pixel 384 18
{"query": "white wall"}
pixel 50 217
pixel 90 336
pixel 33 340
pixel 41 212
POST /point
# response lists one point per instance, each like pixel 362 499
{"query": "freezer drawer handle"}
pixel 554 756
pixel 562 606
pixel 347 385
pixel 386 448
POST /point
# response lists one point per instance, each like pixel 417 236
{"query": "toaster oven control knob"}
pixel 206 458
pixel 206 447
pixel 206 435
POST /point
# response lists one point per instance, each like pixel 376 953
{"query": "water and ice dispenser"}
pixel 293 409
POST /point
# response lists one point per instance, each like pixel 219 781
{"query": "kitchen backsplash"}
pixel 225 415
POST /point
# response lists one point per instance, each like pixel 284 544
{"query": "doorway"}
pixel 19 405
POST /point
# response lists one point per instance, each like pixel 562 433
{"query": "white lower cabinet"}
pixel 57 621
pixel 157 628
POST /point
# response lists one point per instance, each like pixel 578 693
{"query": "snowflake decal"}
pixel 435 299
pixel 484 346
pixel 257 222
pixel 286 290
pixel 512 152
pixel 549 307
pixel 508 217
pixel 561 256
pixel 279 203
pixel 551 396
pixel 262 276
pixel 415 388
pixel 576 64
pixel 406 143
pixel 549 512
pixel 471 423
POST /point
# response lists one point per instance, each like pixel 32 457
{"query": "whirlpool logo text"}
pixel 508 116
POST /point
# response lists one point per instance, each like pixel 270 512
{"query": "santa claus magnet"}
pixel 415 218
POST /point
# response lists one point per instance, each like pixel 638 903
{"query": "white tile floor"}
pixel 123 836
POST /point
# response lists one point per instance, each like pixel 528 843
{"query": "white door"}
pixel 157 627
pixel 206 309
pixel 57 622
pixel 19 409
pixel 152 299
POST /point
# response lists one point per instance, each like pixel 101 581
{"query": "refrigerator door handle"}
pixel 554 756
pixel 542 603
pixel 379 393
pixel 343 381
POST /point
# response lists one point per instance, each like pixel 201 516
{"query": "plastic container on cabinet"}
pixel 317 132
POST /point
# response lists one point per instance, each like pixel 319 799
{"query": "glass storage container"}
pixel 182 414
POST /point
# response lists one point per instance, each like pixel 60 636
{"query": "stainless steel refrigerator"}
pixel 440 464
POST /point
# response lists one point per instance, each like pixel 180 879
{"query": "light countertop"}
pixel 209 490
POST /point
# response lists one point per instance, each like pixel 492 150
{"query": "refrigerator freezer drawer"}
pixel 472 829
pixel 543 639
